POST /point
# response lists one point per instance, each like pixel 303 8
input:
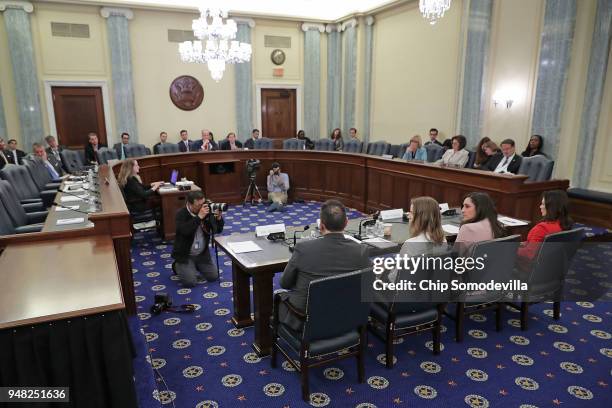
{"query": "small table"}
pixel 172 200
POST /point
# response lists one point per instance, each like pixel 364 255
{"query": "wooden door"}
pixel 278 115
pixel 78 111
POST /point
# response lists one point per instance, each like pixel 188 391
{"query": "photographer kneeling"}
pixel 278 184
pixel 194 226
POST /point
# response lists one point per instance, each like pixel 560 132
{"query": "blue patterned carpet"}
pixel 206 362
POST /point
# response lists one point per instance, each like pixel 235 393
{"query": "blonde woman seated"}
pixel 135 193
pixel 457 156
pixel 426 234
pixel 415 150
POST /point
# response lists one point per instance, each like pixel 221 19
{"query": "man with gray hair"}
pixel 333 254
pixel 206 144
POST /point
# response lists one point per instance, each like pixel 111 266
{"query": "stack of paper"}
pixel 68 221
pixel 511 222
pixel 450 229
pixel 243 246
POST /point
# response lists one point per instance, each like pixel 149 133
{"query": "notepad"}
pixel 68 221
pixel 68 199
pixel 243 247
pixel 450 229
pixel 67 208
pixel 511 222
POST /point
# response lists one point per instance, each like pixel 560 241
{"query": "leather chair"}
pixel 136 150
pixel 353 146
pixel 167 148
pixel 335 320
pixel 434 152
pixel 324 145
pixel 547 274
pixel 378 148
pixel 500 255
pixel 105 154
pixel 263 143
pixel 20 219
pixel 293 144
pixel 25 188
pixel 471 159
pixel 394 150
pixel 40 174
pixel 72 160
pixel 537 168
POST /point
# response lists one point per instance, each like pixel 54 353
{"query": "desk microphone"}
pixel 78 196
pixel 369 221
pixel 295 237
pixel 68 208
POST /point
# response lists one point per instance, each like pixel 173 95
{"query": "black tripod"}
pixel 251 191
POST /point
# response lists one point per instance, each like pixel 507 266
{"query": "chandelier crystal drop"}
pixel 433 10
pixel 215 45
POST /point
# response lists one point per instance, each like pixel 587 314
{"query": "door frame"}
pixel 110 139
pixel 298 101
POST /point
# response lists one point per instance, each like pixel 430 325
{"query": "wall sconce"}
pixel 509 103
pixel 505 96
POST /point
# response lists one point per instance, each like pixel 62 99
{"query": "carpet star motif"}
pixel 602 383
pixel 241 398
pixel 452 383
pixel 199 388
pixel 503 392
pixel 187 356
pixel 397 400
pixel 349 391
pixel 556 402
pixel 501 366
pixel 455 360
pixel 263 372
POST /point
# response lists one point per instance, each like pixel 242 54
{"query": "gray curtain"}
pixel 350 77
pixel 334 80
pixel 596 77
pixel 244 88
pixel 312 82
pixel 555 50
pixel 3 131
pixel 367 95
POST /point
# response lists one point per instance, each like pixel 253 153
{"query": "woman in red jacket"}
pixel 555 218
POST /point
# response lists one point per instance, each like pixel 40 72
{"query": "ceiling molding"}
pixel 23 5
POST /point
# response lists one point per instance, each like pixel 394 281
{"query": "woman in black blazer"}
pixel 135 193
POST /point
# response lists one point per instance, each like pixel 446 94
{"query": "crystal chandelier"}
pixel 433 10
pixel 220 45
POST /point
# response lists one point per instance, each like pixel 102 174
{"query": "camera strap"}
pixel 187 308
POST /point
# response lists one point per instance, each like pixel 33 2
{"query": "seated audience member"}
pixel 230 142
pixel 415 151
pixel 250 144
pixel 457 155
pixel 534 147
pixel 491 152
pixel 308 144
pixel 185 145
pixel 433 137
pixel 54 167
pixel 206 144
pixel 481 155
pixel 13 154
pixel 54 149
pixel 120 147
pixel 135 193
pixel 426 233
pixel 91 150
pixel 353 134
pixel 3 155
pixel 508 162
pixel 195 225
pixel 336 136
pixel 278 185
pixel 163 137
pixel 330 255
pixel 479 221
pixel 555 218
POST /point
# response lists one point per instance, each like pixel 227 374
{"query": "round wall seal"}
pixel 186 93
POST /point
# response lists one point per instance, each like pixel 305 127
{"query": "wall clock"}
pixel 278 57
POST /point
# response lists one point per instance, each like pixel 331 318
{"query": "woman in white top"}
pixel 426 234
pixel 457 156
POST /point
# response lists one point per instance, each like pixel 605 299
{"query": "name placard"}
pixel 265 230
pixel 392 214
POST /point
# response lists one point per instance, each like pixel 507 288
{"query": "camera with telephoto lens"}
pixel 216 206
pixel 162 302
pixel 252 166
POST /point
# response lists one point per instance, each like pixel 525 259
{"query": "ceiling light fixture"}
pixel 433 10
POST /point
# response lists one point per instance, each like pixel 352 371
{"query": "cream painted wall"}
pixel 415 73
pixel 515 43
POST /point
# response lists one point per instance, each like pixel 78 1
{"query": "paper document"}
pixel 511 222
pixel 443 207
pixel 68 199
pixel 69 221
pixel 377 240
pixel 450 229
pixel 243 246
pixel 68 207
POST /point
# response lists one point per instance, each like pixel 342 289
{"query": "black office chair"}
pixel 335 320
pixel 471 159
pixel 394 150
pixel 536 168
pixel 25 188
pixel 73 160
pixel 105 154
pixel 293 144
pixel 40 175
pixel 324 145
pixel 168 148
pixel 353 146
pixel 434 152
pixel 21 220
pixel 547 275
pixel 136 150
pixel 500 255
pixel 141 221
pixel 263 143
pixel 378 148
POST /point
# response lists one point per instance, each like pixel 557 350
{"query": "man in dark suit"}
pixel 433 137
pixel 194 227
pixel 53 150
pixel 120 148
pixel 230 143
pixel 330 255
pixel 91 150
pixel 13 154
pixel 250 144
pixel 54 168
pixel 185 145
pixel 163 136
pixel 3 157
pixel 206 144
pixel 508 162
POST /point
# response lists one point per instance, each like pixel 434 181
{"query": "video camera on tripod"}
pixel 252 167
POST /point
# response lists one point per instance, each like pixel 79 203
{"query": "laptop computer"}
pixel 174 177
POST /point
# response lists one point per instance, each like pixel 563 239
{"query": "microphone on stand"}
pixel 363 222
pixel 71 209
pixel 291 247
